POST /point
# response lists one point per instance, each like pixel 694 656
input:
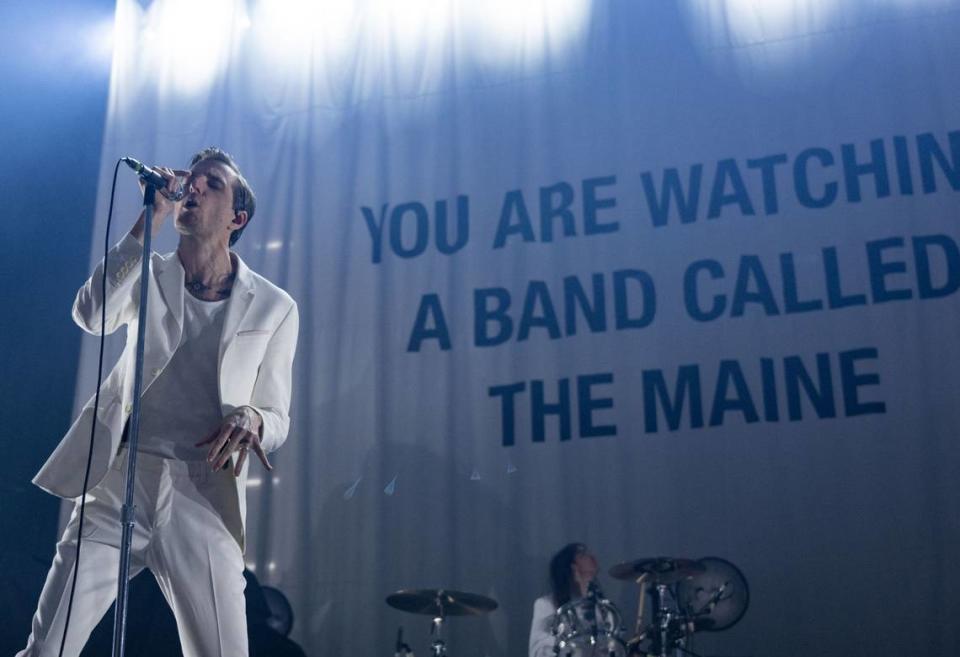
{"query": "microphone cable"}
pixel 96 407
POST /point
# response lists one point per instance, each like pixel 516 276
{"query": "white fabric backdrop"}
pixel 838 499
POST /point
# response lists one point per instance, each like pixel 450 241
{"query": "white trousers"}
pixel 179 535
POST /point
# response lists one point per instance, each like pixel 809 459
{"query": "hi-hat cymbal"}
pixel 662 570
pixel 441 602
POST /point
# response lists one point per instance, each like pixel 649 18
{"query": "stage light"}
pixel 411 25
pixel 99 41
pixel 291 31
pixel 188 43
pixel 305 53
pixel 765 20
pixel 529 29
pixel 738 23
pixel 770 41
pixel 514 19
pixel 397 44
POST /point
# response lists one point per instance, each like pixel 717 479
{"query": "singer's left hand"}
pixel 239 432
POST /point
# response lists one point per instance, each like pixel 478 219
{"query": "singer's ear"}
pixel 240 219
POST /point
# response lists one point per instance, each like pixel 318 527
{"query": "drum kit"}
pixel 685 596
pixel 708 594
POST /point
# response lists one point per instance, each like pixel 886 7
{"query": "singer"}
pixel 220 343
pixel 572 571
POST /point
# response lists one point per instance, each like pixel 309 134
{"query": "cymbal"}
pixel 441 602
pixel 662 570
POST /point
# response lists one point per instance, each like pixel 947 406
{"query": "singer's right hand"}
pixel 163 203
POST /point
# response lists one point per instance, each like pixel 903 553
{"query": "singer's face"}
pixel 206 211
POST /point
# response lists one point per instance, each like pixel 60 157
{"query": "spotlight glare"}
pixel 740 23
pixel 100 40
pixel 530 28
pixel 776 42
pixel 289 30
pixel 190 41
pixel 409 23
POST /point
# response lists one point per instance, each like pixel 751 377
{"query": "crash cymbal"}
pixel 662 570
pixel 440 602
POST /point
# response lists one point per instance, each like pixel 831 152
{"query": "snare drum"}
pixel 588 628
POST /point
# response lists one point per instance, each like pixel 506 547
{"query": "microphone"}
pixel 595 595
pixel 152 177
pixel 594 590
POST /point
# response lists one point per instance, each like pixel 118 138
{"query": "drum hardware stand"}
pixel 664 626
pixel 664 618
pixel 596 596
pixel 639 634
pixel 594 593
pixel 439 648
pixel 438 603
pixel 402 649
pixel 668 620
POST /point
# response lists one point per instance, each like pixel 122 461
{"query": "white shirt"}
pixel 541 629
pixel 182 405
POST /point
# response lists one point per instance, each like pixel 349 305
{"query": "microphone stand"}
pixel 127 514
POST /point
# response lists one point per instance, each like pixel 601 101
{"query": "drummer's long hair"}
pixel 561 573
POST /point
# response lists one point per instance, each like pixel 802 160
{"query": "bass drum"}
pixel 588 628
pixel 716 598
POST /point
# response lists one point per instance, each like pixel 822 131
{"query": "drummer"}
pixel 572 569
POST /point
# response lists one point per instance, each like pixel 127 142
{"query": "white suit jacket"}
pixel 254 363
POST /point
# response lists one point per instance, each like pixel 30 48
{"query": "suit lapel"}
pixel 169 277
pixel 239 304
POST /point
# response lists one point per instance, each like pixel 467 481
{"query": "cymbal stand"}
pixel 438 647
pixel 663 618
pixel 591 614
pixel 671 625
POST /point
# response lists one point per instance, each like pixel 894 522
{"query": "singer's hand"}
pixel 239 432
pixel 163 203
